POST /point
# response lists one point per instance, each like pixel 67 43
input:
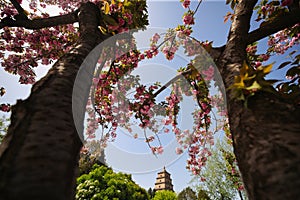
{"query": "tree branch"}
pixel 284 21
pixel 235 50
pixel 173 80
pixel 19 9
pixel 42 22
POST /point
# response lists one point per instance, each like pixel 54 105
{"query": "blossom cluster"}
pixel 5 107
pixel 115 107
pixel 112 104
pixel 185 3
pixel 29 48
pixel 256 60
pixel 268 10
pixel 21 50
pixel 284 40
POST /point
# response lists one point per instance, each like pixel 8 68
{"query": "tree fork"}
pixel 42 145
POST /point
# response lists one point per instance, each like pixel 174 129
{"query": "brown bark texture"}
pixel 266 131
pixel 39 155
pixel 266 141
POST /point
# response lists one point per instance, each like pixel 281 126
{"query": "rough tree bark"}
pixel 39 155
pixel 266 133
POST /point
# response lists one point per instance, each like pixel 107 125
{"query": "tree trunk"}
pixel 266 142
pixel 266 133
pixel 38 157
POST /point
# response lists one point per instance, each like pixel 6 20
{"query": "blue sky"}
pixel 163 14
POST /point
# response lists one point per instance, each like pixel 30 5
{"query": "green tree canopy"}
pixel 165 195
pixel 87 160
pixel 187 194
pixel 101 183
pixel 221 177
pixel 202 195
pixel 151 192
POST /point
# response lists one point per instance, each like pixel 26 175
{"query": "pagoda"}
pixel 163 181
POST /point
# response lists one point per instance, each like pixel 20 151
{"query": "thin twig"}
pixel 177 77
pixel 197 7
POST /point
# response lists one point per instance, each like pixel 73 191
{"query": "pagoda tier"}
pixel 163 181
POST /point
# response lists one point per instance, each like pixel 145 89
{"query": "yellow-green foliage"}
pixel 101 183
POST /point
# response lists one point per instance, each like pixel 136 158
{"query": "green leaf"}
pixel 233 4
pixel 106 7
pixel 266 69
pixel 110 20
pixel 102 29
pixel 254 86
pixel 238 82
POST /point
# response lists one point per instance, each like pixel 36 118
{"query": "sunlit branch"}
pixel 157 47
pixel 177 77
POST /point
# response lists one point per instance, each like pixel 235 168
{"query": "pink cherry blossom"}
pixel 188 19
pixel 186 3
pixel 5 107
pixel 209 73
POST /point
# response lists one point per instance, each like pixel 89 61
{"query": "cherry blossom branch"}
pixel 35 59
pixel 284 21
pixel 148 142
pixel 34 24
